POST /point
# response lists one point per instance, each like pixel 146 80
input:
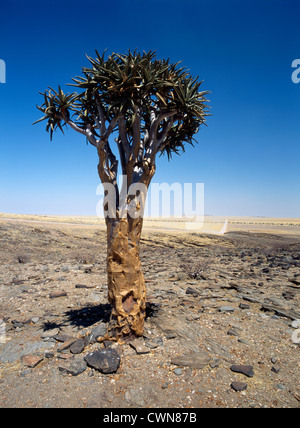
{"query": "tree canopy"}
pixel 155 107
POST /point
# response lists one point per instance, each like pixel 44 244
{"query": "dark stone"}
pixel 58 294
pixel 17 324
pixel 105 360
pixel 98 331
pixel 139 347
pixel 77 347
pixel 288 313
pixel 192 291
pixel 232 332
pixel 63 337
pixel 66 345
pixel 289 295
pixel 244 306
pixel 295 280
pixel 238 386
pixel 23 258
pixel 84 286
pixel 246 370
pixel 74 367
pixel 154 342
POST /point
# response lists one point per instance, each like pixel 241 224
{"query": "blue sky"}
pixel 247 157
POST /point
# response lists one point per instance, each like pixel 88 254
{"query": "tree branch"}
pixel 87 131
pixel 108 165
pixel 101 113
pixel 163 135
pixel 122 154
pixel 123 137
pixel 136 132
pixel 114 121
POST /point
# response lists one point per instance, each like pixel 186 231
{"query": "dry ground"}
pixel 225 300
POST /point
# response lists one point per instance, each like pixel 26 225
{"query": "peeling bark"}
pixel 126 285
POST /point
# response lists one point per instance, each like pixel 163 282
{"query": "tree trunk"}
pixel 126 285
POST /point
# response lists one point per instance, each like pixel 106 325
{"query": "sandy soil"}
pixel 219 300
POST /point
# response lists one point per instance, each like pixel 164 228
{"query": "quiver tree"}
pixel 152 107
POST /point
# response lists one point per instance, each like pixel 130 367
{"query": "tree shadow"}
pixel 152 309
pixel 82 318
pixel 50 325
pixel 89 315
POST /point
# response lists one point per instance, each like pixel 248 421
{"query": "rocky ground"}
pixel 221 331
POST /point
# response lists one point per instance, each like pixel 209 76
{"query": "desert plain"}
pixel 222 326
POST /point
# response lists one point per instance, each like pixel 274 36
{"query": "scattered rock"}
pixel 105 360
pixel 288 313
pixel 57 294
pixel 174 325
pixel 244 306
pixel 244 341
pixel 215 363
pixel 97 332
pixel 23 258
pixel 47 334
pixel 196 360
pixel 17 324
pixel 218 349
pixel 295 281
pixel 31 360
pixel 192 291
pixel 227 309
pixel 289 295
pixel 139 347
pixel 154 342
pixel 232 332
pixel 297 395
pixel 66 344
pixel 48 354
pixel 74 367
pixel 14 350
pixel 245 370
pixel 276 368
pixel 192 317
pixel 239 386
pixel 77 347
pixel 83 286
pixel 63 337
